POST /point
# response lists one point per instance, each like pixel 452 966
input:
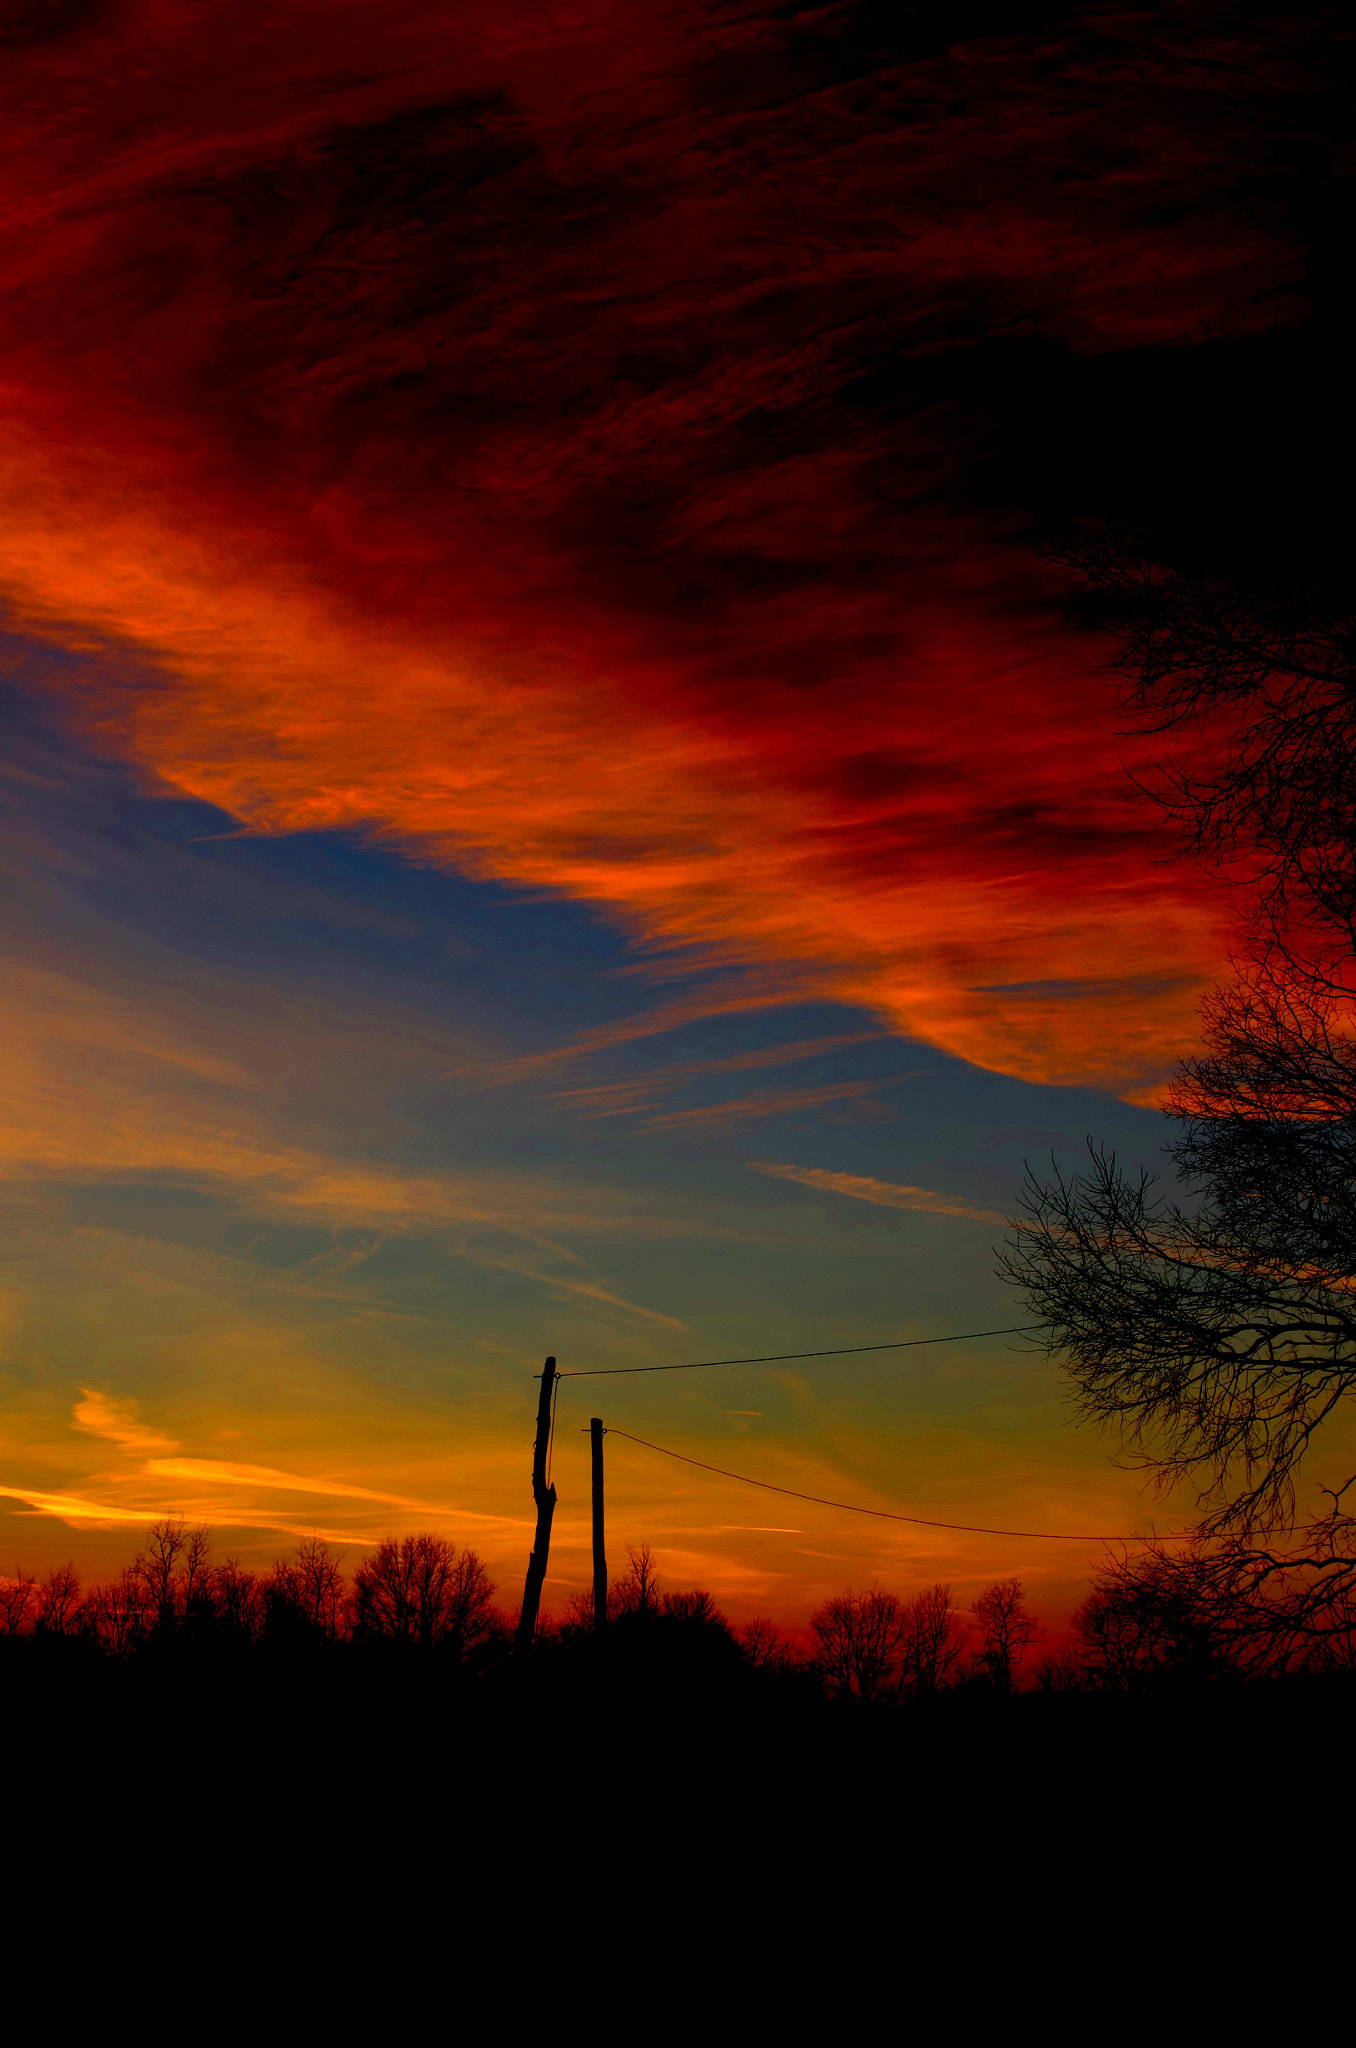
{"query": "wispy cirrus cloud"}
pixel 268 1479
pixel 639 1092
pixel 79 1508
pixel 86 1511
pixel 93 1096
pixel 100 1415
pixel 96 1086
pixel 748 1108
pixel 585 1290
pixel 730 997
pixel 860 1187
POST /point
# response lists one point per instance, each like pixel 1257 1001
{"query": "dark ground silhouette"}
pixel 322 1747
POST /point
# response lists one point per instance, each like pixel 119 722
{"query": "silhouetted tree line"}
pixel 417 1592
pixel 869 1646
pixel 1157 1619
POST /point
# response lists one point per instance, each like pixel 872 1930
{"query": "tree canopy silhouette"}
pixel 419 1590
pixel 874 1646
pixel 1217 1332
pixel 1006 1632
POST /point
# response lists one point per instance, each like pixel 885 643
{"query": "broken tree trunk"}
pixel 545 1497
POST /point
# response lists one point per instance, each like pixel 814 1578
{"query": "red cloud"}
pixel 522 437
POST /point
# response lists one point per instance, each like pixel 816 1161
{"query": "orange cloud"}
pixel 215 1471
pixel 75 1508
pixel 81 1512
pixel 887 1194
pixel 116 1420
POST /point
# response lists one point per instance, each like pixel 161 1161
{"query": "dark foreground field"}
pixel 651 1779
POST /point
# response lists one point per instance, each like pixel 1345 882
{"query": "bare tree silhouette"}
pixel 417 1590
pixel 1216 1334
pixel 58 1601
pixel 385 1598
pixel 933 1642
pixel 1210 1610
pixel 195 1587
pixel 636 1593
pixel 283 1602
pixel 695 1606
pixel 767 1647
pixel 578 1617
pixel 1151 1618
pixel 18 1602
pixel 239 1599
pixel 158 1567
pixel 470 1618
pixel 860 1636
pixel 633 1597
pixel 1219 1339
pixel 116 1613
pixel 1006 1630
pixel 320 1585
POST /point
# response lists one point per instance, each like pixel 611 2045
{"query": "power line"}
pixel 887 1514
pixel 781 1357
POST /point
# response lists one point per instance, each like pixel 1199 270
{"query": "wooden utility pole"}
pixel 545 1497
pixel 596 1432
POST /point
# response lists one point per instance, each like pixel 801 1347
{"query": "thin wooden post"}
pixel 596 1432
pixel 545 1497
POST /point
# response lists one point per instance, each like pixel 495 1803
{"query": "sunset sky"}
pixel 550 802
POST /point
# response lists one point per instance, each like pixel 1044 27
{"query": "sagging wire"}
pixel 890 1515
